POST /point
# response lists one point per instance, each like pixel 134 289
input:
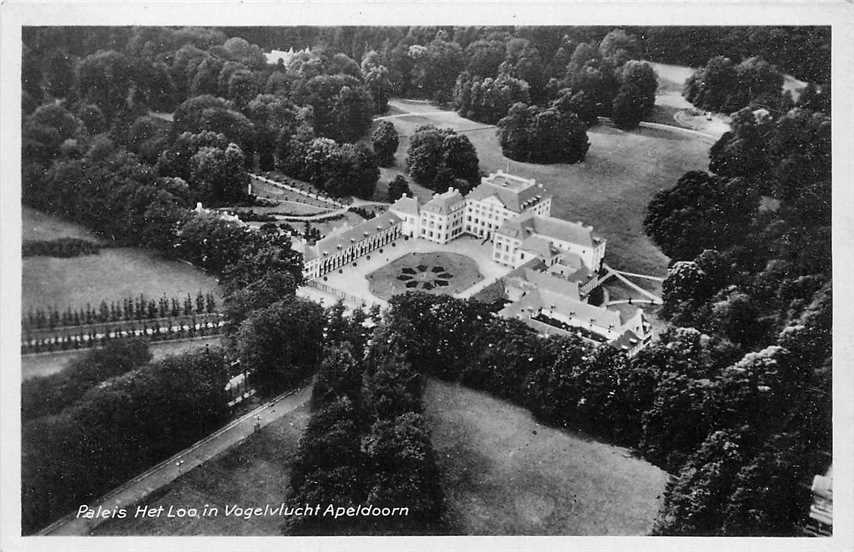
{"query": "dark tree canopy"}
pixel 536 135
pixel 433 152
pixel 384 139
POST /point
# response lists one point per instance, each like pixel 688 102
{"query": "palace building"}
pixel 339 249
pixel 555 263
pixel 499 197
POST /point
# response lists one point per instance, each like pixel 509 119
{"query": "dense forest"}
pixel 734 399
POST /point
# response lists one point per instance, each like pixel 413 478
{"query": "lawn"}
pixel 254 472
pixel 440 272
pixel 38 226
pixel 609 190
pixel 505 474
pixel 112 275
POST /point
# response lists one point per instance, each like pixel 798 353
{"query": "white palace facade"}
pixel 555 263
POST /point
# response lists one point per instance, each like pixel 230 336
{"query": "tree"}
pixel 175 161
pixel 352 114
pixel 437 157
pixel 640 75
pixel 514 132
pixel 484 56
pixel 339 376
pixel 681 416
pixel 694 504
pixel 188 115
pixel 683 289
pixel 385 141
pixel 59 74
pixel 281 344
pixel 45 130
pixel 333 106
pixel 272 287
pixel 558 137
pixel 735 315
pixel 376 77
pixel 400 457
pixel 723 86
pixel 580 103
pixel 743 150
pixel 628 108
pixel 700 212
pixel 243 86
pixel 218 175
pixel 460 158
pixel 765 498
pixel 390 387
pixel 424 153
pixel 524 62
pixel 486 99
pixel 543 135
pixel 106 79
pixel 618 46
pixel 436 67
pixel 398 188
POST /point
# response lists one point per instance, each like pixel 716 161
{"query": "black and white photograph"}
pixel 379 278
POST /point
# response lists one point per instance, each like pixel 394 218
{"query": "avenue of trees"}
pixel 367 441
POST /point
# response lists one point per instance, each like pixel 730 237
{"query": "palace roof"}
pixel 444 203
pixel 515 193
pixel 528 224
pixel 406 205
pixel 331 245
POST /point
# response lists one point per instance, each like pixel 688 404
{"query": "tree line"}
pixel 750 253
pixel 85 337
pixel 367 442
pixel 685 395
pixel 129 308
pixel 60 247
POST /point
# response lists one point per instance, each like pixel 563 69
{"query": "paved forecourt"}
pixel 353 279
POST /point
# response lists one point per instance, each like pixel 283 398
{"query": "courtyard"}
pixel 437 272
pixel 467 260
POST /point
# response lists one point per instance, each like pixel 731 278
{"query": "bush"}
pixel 60 247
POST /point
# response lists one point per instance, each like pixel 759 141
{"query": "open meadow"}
pixel 112 275
pixel 506 474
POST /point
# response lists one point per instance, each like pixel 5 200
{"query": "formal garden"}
pixel 437 272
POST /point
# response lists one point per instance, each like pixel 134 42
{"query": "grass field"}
pixel 254 472
pixel 609 190
pixel 505 474
pixel 112 275
pixel 41 226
